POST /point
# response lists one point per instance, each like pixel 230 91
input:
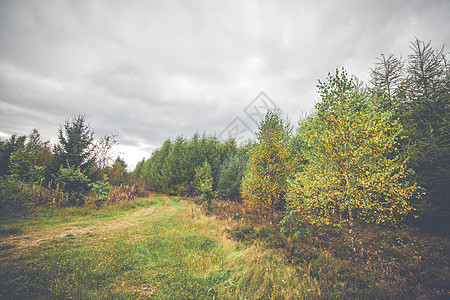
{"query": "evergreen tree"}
pixel 30 158
pixel 387 78
pixel 117 173
pixel 203 180
pixel 425 115
pixel 75 147
pixel 230 176
pixel 6 149
pixel 420 95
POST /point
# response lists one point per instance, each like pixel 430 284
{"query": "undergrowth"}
pixel 400 262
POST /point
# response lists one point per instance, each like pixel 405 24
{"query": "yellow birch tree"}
pixel 355 171
pixel 270 165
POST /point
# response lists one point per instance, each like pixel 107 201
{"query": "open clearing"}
pixel 158 248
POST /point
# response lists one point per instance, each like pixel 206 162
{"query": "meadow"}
pixel 165 247
pixel 159 248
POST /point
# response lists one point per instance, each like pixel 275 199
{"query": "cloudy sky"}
pixel 151 70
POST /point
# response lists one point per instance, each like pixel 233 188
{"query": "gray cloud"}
pixel 149 70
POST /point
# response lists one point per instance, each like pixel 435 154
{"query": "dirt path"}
pixel 15 246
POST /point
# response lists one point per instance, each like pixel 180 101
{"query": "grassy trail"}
pixel 155 248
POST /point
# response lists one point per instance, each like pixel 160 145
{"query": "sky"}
pixel 151 70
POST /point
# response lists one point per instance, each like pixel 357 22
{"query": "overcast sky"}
pixel 152 70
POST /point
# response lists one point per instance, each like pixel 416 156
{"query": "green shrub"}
pixel 292 225
pixel 101 189
pixel 203 182
pixel 74 184
pixel 15 194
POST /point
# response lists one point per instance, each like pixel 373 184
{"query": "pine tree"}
pixel 75 147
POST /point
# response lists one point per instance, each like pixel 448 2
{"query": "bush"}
pixel 74 184
pixel 292 225
pixel 17 194
pixel 208 194
pixel 14 193
pixel 101 189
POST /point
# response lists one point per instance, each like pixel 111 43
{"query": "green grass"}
pixel 156 248
pixel 165 248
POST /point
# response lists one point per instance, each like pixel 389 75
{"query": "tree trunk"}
pixel 350 213
pixel 290 240
pixel 271 216
pixel 350 228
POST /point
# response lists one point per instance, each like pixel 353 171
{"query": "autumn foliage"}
pixel 355 171
pixel 271 164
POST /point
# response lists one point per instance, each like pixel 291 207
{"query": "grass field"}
pixel 159 248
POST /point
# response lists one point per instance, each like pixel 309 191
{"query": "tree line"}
pixel 375 152
pixel 181 166
pixel 76 164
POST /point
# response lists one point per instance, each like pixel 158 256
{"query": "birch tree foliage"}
pixel 354 169
pixel 270 165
